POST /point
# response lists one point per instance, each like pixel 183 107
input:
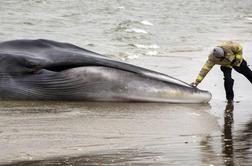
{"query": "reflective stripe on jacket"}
pixel 233 57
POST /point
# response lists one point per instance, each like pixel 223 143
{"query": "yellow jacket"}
pixel 232 57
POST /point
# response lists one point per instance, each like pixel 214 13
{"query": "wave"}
pixel 136 30
pixel 152 53
pixel 153 46
pixel 146 22
pixel 120 7
pixel 248 20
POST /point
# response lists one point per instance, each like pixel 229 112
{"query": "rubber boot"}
pixel 228 84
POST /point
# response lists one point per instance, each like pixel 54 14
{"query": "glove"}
pixel 195 83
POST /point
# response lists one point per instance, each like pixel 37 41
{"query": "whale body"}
pixel 49 70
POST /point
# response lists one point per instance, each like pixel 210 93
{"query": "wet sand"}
pixel 92 133
pixel 41 130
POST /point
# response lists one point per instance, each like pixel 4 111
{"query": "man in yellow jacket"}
pixel 229 56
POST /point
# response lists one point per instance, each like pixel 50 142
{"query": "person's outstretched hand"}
pixel 195 84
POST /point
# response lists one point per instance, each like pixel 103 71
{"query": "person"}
pixel 229 56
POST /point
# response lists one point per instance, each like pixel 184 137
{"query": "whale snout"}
pixel 182 94
pixel 202 96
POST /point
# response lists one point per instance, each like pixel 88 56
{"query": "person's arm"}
pixel 238 55
pixel 203 72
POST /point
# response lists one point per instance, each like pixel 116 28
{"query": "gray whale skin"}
pixel 49 70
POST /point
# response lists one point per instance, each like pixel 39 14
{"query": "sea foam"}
pixel 153 46
pixel 136 30
pixel 146 22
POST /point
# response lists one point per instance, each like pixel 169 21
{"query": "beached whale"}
pixel 49 70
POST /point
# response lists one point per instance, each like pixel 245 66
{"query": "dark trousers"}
pixel 229 82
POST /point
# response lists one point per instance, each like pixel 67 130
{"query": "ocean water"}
pixel 128 29
pixel 173 37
